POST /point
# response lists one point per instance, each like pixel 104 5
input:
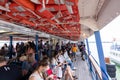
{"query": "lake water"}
pixel 93 50
pixel 7 42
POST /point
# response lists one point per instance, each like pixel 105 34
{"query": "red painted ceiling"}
pixel 56 17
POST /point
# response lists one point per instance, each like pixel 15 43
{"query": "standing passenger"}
pixel 74 50
pixel 82 50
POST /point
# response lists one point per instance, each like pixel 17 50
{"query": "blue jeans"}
pixel 70 64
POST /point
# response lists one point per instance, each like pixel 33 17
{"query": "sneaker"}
pixel 74 68
pixel 83 59
pixel 75 77
pixel 75 59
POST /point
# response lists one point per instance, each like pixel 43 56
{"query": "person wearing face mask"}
pixel 38 74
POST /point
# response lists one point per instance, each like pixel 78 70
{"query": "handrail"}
pixel 95 65
pixel 97 68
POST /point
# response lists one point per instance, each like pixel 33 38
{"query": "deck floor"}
pixel 82 71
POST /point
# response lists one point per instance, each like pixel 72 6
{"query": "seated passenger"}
pixel 56 67
pixel 29 62
pixel 67 58
pixel 66 68
pixel 9 72
pixel 38 74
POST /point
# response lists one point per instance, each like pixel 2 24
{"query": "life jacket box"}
pixel 107 60
pixel 111 70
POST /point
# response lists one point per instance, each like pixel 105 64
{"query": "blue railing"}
pixel 97 72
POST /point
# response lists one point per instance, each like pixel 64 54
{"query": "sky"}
pixel 110 31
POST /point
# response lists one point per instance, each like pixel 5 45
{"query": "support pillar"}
pixel 100 53
pixel 10 47
pixel 87 44
pixel 89 62
pixel 36 41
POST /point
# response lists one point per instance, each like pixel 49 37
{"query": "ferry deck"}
pixel 60 21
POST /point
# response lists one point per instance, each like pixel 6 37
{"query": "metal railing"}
pixel 97 72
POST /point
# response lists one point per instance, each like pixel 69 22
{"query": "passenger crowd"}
pixel 50 63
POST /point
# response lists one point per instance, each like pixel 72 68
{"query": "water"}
pixel 2 43
pixel 106 49
pixel 8 42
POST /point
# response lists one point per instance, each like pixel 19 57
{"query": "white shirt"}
pixel 36 76
pixel 59 72
pixel 61 59
pixel 67 58
pixel 54 62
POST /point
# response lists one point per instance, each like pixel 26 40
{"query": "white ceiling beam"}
pixel 20 29
pixel 24 30
pixel 109 11
pixel 99 7
pixel 90 23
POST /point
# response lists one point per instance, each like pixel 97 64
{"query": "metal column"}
pixel 36 55
pixel 89 62
pixel 100 53
pixel 10 47
pixel 88 46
